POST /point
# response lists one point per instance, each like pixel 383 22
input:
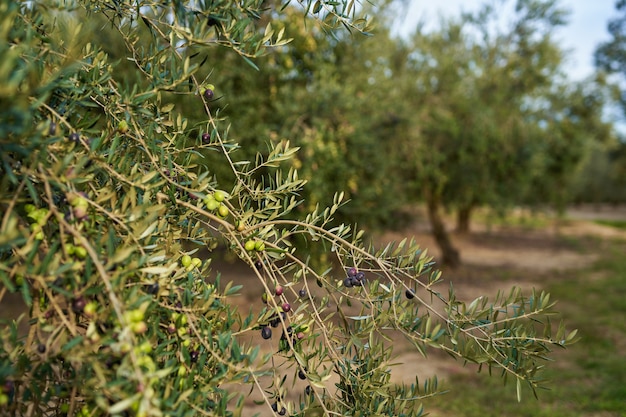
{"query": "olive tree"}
pixel 111 218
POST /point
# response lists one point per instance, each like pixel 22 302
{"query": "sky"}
pixel 587 26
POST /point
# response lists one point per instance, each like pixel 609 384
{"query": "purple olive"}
pixel 78 305
pixel 266 333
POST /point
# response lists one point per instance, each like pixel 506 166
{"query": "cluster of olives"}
pixel 207 92
pixel 215 202
pixel 190 263
pixel 38 216
pixel 274 321
pixel 135 318
pixel 354 278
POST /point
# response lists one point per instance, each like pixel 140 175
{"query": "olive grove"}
pixel 114 204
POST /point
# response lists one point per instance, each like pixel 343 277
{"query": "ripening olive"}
pixel 222 210
pixel 122 126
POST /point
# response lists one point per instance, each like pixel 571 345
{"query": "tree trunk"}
pixel 450 255
pixel 463 219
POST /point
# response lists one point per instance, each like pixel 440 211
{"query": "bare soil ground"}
pixel 494 258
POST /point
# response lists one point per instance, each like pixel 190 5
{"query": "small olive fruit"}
pixel 19 280
pixel 266 332
pixel 410 294
pixel 241 225
pixel 278 290
pixel 78 201
pixel 207 91
pixel 80 212
pixel 78 305
pixel 211 204
pixel 219 196
pixel 74 137
pixel 90 309
pixel 185 261
pixel 222 210
pixel 135 316
pixel 249 245
pixel 259 246
pixel 286 307
pixel 206 137
pixel 80 252
pixel 122 126
pixel 139 327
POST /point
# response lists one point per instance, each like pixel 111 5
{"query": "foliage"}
pixel 111 218
pixel 610 56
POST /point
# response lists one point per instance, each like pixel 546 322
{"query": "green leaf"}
pixel 72 343
pixel 124 404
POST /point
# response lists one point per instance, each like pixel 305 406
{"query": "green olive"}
pixel 80 252
pixel 90 309
pixel 222 210
pixel 219 196
pixel 185 261
pixel 122 127
pixel 211 204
